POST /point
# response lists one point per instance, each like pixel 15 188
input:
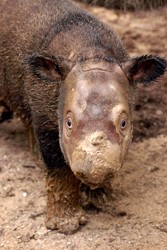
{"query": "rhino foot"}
pixel 66 224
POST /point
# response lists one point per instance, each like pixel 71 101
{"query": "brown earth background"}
pixel 137 216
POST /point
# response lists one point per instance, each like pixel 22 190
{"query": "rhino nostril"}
pixel 97 141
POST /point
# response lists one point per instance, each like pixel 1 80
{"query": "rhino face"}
pixel 96 122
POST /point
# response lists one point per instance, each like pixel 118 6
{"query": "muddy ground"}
pixel 137 216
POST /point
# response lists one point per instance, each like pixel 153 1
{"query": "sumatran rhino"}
pixel 68 77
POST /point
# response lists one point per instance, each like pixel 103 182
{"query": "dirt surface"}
pixel 136 218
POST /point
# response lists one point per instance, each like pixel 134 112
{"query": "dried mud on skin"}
pixel 136 218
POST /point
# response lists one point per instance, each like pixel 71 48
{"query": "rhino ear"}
pixel 48 68
pixel 145 69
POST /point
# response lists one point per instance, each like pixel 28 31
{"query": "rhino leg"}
pixel 63 209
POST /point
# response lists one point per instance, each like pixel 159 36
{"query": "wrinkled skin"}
pixel 97 131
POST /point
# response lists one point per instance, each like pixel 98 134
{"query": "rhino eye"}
pixel 69 123
pixel 123 124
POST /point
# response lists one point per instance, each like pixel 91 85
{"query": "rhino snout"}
pixel 95 159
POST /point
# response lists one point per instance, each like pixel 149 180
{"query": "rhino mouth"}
pixel 96 163
pixel 93 184
pixel 94 173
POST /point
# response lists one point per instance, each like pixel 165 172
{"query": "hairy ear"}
pixel 144 69
pixel 48 68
